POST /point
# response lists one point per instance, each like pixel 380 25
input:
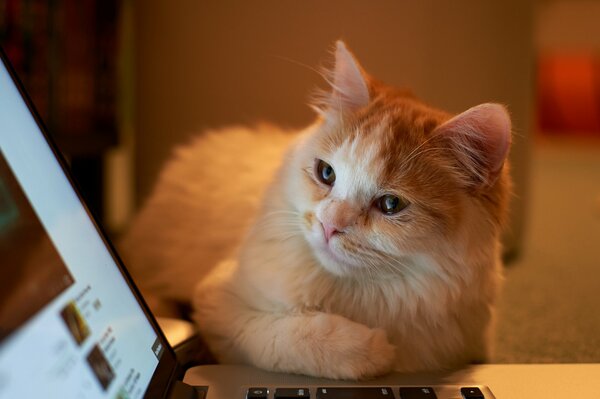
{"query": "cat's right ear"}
pixel 480 139
pixel 350 90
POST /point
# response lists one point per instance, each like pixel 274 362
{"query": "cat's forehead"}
pixel 375 151
pixel 358 165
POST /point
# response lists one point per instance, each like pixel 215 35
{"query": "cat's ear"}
pixel 480 139
pixel 349 88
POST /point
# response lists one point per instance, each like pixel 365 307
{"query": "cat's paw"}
pixel 350 350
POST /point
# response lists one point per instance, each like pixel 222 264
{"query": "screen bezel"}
pixel 168 370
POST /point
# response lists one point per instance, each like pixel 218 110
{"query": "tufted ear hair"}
pixel 349 89
pixel 480 139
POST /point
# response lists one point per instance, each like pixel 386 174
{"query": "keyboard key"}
pixel 417 393
pixel 257 393
pixel 355 393
pixel 471 393
pixel 292 393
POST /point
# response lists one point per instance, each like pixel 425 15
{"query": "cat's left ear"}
pixel 349 88
pixel 480 139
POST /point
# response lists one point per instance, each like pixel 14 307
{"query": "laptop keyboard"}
pixel 413 392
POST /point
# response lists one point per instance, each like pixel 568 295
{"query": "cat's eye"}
pixel 391 204
pixel 325 172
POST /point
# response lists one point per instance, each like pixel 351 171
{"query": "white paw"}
pixel 348 350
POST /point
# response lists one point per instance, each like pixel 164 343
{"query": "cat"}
pixel 375 245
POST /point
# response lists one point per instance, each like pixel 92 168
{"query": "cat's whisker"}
pixel 283 217
pixel 287 220
pixel 371 273
pixel 377 263
pixel 370 282
pixel 424 151
pixel 278 230
pixel 417 148
pixel 296 224
pixel 396 267
pixel 282 211
pixel 322 73
pixel 283 238
pixel 390 264
pixel 276 226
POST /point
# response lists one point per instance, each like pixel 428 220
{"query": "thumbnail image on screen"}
pixel 32 272
pixel 75 322
pixel 100 367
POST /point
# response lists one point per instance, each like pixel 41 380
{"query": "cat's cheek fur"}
pixel 330 259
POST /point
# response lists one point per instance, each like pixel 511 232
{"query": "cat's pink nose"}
pixel 329 230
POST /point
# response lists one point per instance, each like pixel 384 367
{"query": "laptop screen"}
pixel 70 326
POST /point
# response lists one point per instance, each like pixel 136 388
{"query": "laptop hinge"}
pixel 182 390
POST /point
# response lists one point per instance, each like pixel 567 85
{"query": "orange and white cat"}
pixel 369 241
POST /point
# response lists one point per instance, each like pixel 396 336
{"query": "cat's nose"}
pixel 329 230
pixel 337 216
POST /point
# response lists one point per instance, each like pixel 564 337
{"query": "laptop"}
pixel 73 324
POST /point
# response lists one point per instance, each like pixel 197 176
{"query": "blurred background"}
pixel 120 83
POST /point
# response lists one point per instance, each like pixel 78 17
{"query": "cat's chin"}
pixel 334 263
pixel 328 256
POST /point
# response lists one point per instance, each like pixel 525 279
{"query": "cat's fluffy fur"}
pixel 325 283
